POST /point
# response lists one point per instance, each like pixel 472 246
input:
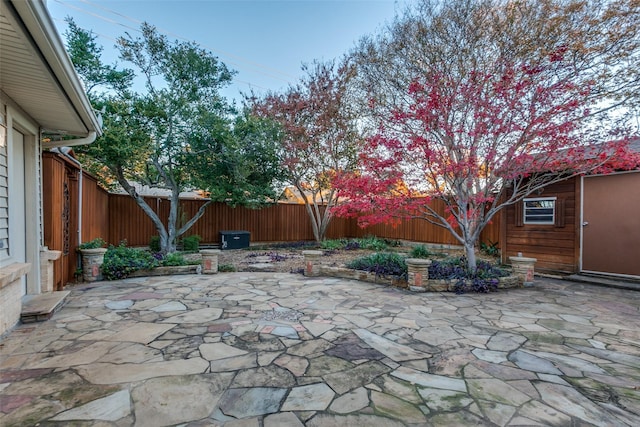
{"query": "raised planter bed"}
pixel 430 285
pixel 365 276
pixel 314 267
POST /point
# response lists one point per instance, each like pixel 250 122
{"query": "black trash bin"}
pixel 234 239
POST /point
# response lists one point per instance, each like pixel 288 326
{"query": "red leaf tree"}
pixel 319 137
pixel 479 141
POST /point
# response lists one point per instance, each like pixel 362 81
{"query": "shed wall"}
pixel 555 247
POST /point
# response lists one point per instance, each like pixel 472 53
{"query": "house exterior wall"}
pixel 555 246
pixel 18 275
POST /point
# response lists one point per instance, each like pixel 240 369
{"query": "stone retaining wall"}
pixel 419 282
pixel 167 271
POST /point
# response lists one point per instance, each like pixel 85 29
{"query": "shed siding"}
pixel 554 246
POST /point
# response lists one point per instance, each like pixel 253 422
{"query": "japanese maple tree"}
pixel 479 142
pixel 319 137
pixel 479 103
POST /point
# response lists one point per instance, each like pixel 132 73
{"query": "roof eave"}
pixel 37 20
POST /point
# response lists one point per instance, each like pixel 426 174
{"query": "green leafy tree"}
pixel 177 134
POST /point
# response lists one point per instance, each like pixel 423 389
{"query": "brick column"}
pixel 210 260
pixel 92 260
pixel 417 272
pixel 312 263
pixel 524 267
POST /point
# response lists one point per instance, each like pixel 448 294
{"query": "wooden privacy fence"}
pixel 116 217
pixel 66 221
pixel 276 223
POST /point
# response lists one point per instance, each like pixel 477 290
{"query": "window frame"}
pixel 540 199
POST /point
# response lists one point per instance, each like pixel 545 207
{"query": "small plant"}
pixel 191 243
pixel 382 264
pixel 373 243
pixel 490 248
pixel 120 261
pixel 93 244
pixel 173 259
pixel 226 268
pixel 332 244
pixel 420 251
pixel 352 245
pixel 154 244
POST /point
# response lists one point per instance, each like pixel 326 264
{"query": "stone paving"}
pixel 279 350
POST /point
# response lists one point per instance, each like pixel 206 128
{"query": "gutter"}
pixel 71 142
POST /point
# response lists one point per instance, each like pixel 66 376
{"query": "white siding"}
pixel 4 195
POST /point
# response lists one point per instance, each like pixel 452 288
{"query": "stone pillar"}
pixel 46 268
pixel 417 272
pixel 209 260
pixel 312 263
pixel 92 260
pixel 524 268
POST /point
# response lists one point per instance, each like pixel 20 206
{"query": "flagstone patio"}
pixel 274 350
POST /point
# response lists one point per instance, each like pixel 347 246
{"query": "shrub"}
pixel 420 251
pixel 93 244
pixel 120 261
pixel 383 264
pixel 226 268
pixel 485 279
pixel 154 244
pixel 373 243
pixel 352 245
pixel 490 248
pixel 191 243
pixel 332 244
pixel 173 259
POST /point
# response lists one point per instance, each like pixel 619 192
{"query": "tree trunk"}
pixel 169 235
pixel 469 249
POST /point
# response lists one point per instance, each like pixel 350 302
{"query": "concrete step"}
pixel 38 308
pixel 612 282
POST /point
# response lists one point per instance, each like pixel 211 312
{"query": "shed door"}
pixel 611 224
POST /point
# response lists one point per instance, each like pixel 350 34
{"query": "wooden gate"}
pixel 611 224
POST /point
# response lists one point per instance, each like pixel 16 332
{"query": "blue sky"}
pixel 265 41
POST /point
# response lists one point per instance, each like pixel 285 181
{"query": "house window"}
pixel 541 210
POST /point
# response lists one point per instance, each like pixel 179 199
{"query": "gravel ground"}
pixel 281 260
